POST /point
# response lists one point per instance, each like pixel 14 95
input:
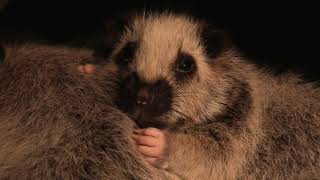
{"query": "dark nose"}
pixel 143 96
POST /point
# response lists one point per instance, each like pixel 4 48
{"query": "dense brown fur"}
pixel 56 123
pixel 229 120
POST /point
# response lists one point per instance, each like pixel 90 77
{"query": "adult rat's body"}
pixel 59 123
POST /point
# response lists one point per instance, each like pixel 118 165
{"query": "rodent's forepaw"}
pixel 152 143
pixel 87 69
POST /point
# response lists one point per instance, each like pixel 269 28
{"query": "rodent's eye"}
pixel 126 55
pixel 185 63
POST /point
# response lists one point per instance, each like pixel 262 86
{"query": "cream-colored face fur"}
pixel 160 37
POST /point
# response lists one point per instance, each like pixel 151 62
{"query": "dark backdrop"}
pixel 283 36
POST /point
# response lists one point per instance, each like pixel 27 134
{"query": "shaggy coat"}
pixel 224 117
pixel 56 123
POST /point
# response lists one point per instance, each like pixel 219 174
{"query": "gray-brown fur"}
pixel 229 120
pixel 56 123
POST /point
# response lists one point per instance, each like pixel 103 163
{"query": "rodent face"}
pixel 166 73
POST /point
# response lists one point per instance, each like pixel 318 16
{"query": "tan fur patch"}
pixel 233 107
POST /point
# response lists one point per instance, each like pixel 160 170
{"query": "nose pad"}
pixel 143 96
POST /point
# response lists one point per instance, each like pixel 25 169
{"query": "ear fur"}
pixel 215 40
pixel 113 29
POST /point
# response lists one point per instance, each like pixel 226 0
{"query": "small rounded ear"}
pixel 215 40
pixel 108 39
pixel 2 54
pixel 113 30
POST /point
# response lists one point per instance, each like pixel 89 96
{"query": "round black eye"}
pixel 126 55
pixel 185 63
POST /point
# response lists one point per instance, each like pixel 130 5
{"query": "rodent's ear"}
pixel 215 40
pixel 2 54
pixel 113 29
pixel 112 32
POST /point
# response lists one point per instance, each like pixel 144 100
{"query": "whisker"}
pixel 185 95
pixel 171 77
pixel 190 93
pixel 180 113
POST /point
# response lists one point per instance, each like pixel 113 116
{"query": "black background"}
pixel 283 36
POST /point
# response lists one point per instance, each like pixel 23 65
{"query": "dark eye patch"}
pixel 126 55
pixel 2 54
pixel 185 66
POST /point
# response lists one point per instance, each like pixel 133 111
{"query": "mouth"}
pixel 144 118
pixel 145 103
